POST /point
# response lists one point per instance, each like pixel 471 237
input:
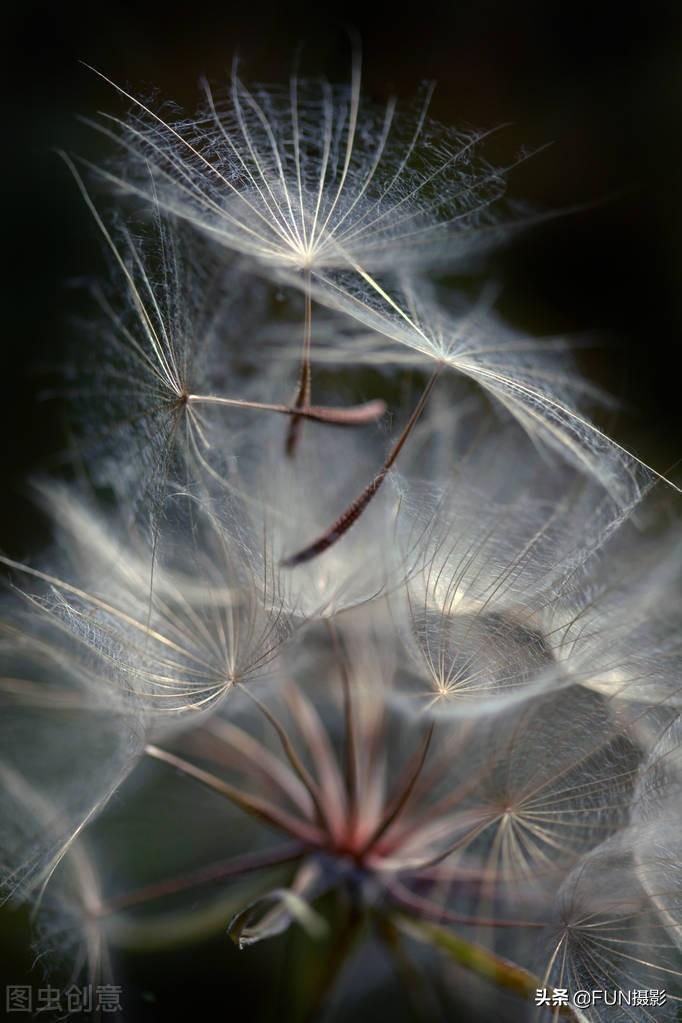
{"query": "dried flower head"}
pixel 443 731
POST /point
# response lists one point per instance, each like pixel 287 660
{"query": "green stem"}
pixel 338 956
pixel 419 994
pixel 478 959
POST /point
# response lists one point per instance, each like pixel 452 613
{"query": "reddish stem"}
pixel 233 867
pixel 302 399
pixel 341 526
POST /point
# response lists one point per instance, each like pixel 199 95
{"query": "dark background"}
pixel 602 83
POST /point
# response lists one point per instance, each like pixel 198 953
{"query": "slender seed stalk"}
pixel 423 909
pixel 252 805
pixel 353 512
pixel 302 399
pixel 354 415
pixel 350 743
pixel 292 756
pixel 236 866
pixel 405 788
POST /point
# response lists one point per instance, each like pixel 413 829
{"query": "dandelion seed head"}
pixel 312 177
pixel 611 937
pixel 169 643
pixel 453 712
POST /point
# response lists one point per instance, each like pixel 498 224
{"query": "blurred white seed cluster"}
pixel 347 553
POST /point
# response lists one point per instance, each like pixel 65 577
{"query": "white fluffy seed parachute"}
pixel 446 726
